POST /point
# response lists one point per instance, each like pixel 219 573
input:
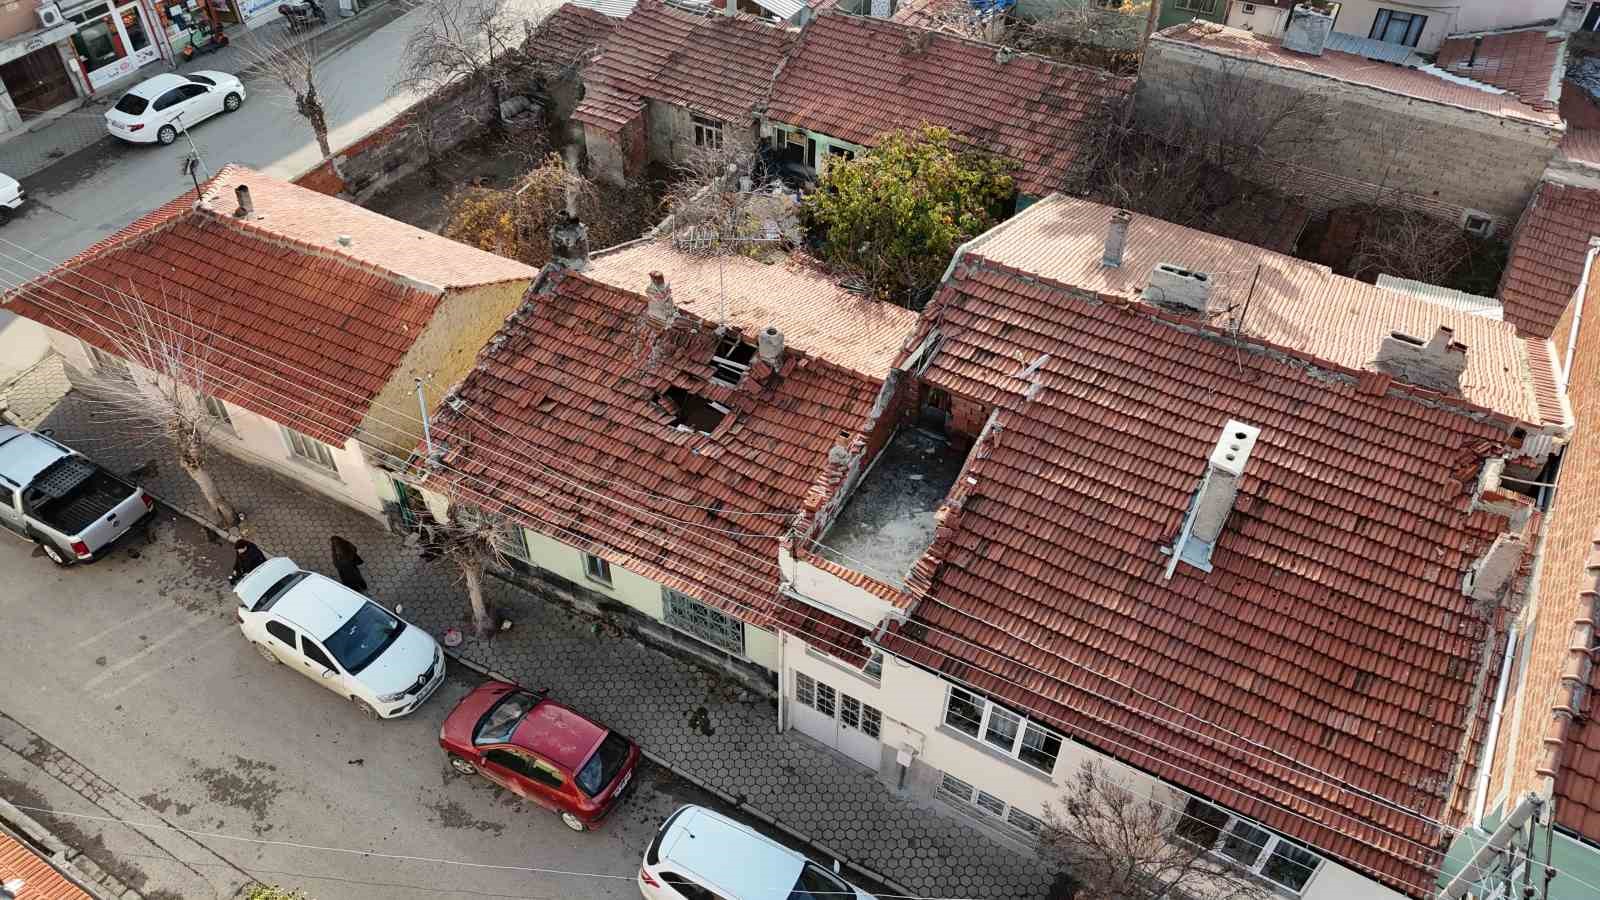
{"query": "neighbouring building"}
pixel 1262 17
pixel 1400 131
pixel 1422 24
pixel 323 316
pixel 851 78
pixel 669 80
pixel 40 878
pixel 1549 251
pixel 39 69
pixel 654 421
pixel 562 45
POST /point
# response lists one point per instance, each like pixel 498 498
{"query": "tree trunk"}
pixel 311 108
pixel 1149 27
pixel 482 621
pixel 227 516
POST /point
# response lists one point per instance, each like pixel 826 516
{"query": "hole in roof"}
pixel 731 360
pixel 693 411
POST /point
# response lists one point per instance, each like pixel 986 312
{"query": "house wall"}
pixel 17 17
pixel 1446 17
pixel 671 130
pixel 1263 19
pixel 1375 141
pixel 1174 12
pixel 824 142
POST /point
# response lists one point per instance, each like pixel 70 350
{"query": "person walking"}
pixel 348 563
pixel 246 556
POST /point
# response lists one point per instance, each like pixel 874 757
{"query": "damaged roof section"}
pixel 1548 251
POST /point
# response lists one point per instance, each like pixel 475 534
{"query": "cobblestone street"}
pixel 651 696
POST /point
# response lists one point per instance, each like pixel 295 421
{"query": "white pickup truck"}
pixel 57 498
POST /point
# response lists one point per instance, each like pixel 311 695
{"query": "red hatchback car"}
pixel 540 750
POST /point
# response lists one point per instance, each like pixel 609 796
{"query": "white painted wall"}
pixel 1257 17
pixel 23 342
pixel 833 594
pixel 1446 17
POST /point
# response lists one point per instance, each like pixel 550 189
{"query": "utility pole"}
pixel 1150 21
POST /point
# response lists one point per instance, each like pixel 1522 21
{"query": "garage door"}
pixel 837 719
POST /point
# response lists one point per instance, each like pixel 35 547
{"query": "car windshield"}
pixel 132 104
pixel 363 636
pixel 497 724
pixel 201 79
pixel 603 766
pixel 817 883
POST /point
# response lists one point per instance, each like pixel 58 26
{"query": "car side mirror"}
pixel 328 673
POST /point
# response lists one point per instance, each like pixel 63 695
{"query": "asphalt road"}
pixel 133 669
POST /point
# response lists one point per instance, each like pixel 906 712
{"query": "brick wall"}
pixel 1376 146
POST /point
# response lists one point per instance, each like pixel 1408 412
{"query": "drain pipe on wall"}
pixel 1577 313
pixel 1480 796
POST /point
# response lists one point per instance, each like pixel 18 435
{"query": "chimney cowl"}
pixel 247 207
pixel 1178 288
pixel 1116 238
pixel 1307 31
pixel 1436 364
pixel 658 300
pixel 769 345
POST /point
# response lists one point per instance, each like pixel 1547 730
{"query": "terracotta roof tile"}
pixel 278 286
pixel 43 881
pixel 711 64
pixel 1547 254
pixel 1332 628
pixel 855 77
pixel 814 313
pixel 565 421
pixel 1577 778
pixel 1348 67
pixel 1522 62
pixel 1292 302
pixel 570 36
pixel 1582 145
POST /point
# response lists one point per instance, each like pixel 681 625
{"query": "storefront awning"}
pixel 23 44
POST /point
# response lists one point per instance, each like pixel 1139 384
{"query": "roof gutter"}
pixel 1577 313
pixel 1480 796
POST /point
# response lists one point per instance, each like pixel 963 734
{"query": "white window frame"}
pixel 707 131
pixel 1024 724
pixel 309 450
pixel 597 570
pixel 1264 856
pixel 681 611
pixel 1199 6
pixel 514 543
pixel 970 797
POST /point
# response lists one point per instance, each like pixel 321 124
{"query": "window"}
pixel 315 654
pixel 108 365
pixel 596 568
pixel 1108 4
pixel 545 774
pixel 364 636
pixel 1477 223
pixel 687 888
pixel 731 360
pixel 1024 822
pixel 282 633
pixel 1401 28
pixel 844 153
pixel 827 699
pixel 871 721
pixel 714 628
pixel 498 724
pixel 994 810
pixel 1199 6
pixel 216 409
pixel 169 99
pixel 1249 9
pixel 278 589
pixel 603 766
pixel 805 689
pixel 817 883
pixel 874 667
pixel 513 542
pixel 1280 860
pixel 312 451
pixel 850 712
pixel 954 787
pixel 707 132
pixel 1002 729
pixel 990 804
pixel 514 762
pixel 191 91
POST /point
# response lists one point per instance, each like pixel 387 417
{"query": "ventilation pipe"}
pixel 1116 238
pixel 569 242
pixel 658 300
pixel 1436 365
pixel 769 346
pixel 1178 288
pixel 247 207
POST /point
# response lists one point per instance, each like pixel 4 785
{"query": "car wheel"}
pixel 231 102
pixel 268 655
pixel 5 214
pixel 462 766
pixel 365 707
pixel 167 135
pixel 55 554
pixel 573 822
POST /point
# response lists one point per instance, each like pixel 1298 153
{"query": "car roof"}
pixel 24 454
pixel 558 734
pixel 154 87
pixel 739 860
pixel 318 605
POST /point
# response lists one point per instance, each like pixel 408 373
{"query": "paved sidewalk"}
pixel 646 694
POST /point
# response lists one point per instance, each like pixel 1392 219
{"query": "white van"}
pixel 701 855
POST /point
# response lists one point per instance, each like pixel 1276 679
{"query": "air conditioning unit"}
pixel 49 15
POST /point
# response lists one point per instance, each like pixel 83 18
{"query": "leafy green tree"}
pixel 895 215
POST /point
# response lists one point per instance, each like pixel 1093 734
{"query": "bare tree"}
pixel 293 67
pixel 1119 846
pixel 1407 244
pixel 720 200
pixel 473 43
pixel 175 367
pixel 472 540
pixel 1086 33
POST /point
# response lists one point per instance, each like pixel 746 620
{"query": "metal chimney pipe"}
pixel 246 207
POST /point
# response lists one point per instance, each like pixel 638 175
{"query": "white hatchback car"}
pixel 11 197
pixel 384 665
pixel 158 108
pixel 699 854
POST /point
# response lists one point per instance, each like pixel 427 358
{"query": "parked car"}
pixel 541 751
pixel 348 644
pixel 11 197
pixel 61 500
pixel 699 853
pixel 156 109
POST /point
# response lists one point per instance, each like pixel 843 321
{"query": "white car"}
pixel 699 853
pixel 384 665
pixel 158 108
pixel 11 197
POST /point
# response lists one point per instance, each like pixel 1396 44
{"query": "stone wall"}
pixel 1378 146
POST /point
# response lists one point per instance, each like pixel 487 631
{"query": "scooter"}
pixel 205 40
pixel 300 16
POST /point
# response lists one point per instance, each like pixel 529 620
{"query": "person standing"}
pixel 246 556
pixel 348 563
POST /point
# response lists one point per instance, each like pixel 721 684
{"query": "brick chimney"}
pixel 247 207
pixel 569 242
pixel 1178 288
pixel 1307 31
pixel 658 296
pixel 1436 365
pixel 1116 238
pixel 1493 571
pixel 769 346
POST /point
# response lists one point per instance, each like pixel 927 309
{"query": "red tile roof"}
pixel 1291 302
pixel 1348 67
pixel 1332 630
pixel 570 36
pixel 1581 145
pixel 17 860
pixel 1577 777
pixel 1522 62
pixel 807 304
pixel 563 423
pixel 1547 254
pixel 856 77
pixel 287 297
pixel 710 64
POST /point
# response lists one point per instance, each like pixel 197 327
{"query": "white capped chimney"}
pixel 1436 365
pixel 1116 238
pixel 1571 18
pixel 659 306
pixel 1178 288
pixel 1213 502
pixel 1307 31
pixel 247 208
pixel 769 345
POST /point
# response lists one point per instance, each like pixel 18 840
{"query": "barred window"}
pixel 805 689
pixel 708 625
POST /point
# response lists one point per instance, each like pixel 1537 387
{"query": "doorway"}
pixel 838 720
pixel 37 82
